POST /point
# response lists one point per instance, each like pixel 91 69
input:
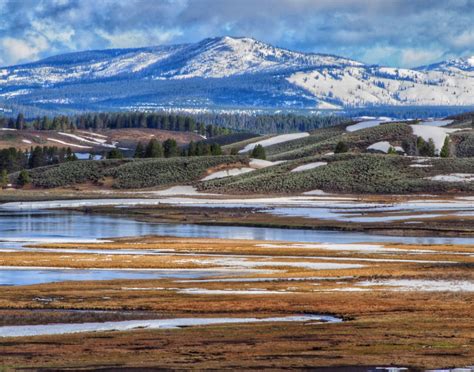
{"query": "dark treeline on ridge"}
pixel 270 123
pixel 118 120
pixel 206 124
pixel 170 148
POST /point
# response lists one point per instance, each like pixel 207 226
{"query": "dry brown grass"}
pixel 424 329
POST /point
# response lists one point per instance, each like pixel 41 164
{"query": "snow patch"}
pixel 274 140
pixel 350 247
pixel 227 173
pixel 384 146
pixel 202 291
pixel 68 144
pixel 364 125
pixel 437 134
pixel 128 325
pixel 437 123
pixel 175 191
pixel 424 285
pixel 309 166
pixel 453 177
pixel 260 163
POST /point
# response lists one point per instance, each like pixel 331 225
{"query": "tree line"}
pixel 207 124
pixel 13 160
pixel 117 120
pixel 270 123
pixel 168 149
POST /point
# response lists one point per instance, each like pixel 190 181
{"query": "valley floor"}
pixel 406 305
pixel 74 298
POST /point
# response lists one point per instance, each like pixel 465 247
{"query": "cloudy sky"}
pixel 389 32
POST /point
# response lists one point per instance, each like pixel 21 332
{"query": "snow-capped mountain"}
pixel 228 72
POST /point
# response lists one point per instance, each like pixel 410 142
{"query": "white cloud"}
pixel 417 57
pixel 53 32
pixel 138 38
pixel 464 40
pixel 379 54
pixel 17 50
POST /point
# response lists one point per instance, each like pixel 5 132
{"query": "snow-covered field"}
pixel 274 140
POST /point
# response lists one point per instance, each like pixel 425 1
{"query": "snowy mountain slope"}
pixel 210 58
pixel 227 72
pixel 362 86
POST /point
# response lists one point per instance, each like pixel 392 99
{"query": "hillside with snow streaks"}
pixel 228 71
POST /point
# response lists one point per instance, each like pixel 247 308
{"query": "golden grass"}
pixel 422 329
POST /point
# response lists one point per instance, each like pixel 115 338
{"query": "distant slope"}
pixel 90 141
pixel 226 72
pixel 382 157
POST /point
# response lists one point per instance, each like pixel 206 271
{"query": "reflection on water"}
pixel 62 224
pixel 10 277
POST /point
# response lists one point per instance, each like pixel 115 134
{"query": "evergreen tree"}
pixel 154 149
pixel 431 148
pixel 38 157
pixel 445 149
pixel 23 178
pixel 202 149
pixel 4 178
pixel 70 156
pixel 258 152
pixel 115 154
pixel 392 151
pixel 139 151
pixel 20 122
pixel 170 148
pixel 11 123
pixel 216 149
pixel 420 145
pixel 426 148
pixel 192 149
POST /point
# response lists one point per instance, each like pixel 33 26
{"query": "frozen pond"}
pixel 17 227
pixel 30 276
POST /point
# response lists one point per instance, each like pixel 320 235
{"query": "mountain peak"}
pixel 233 71
pixel 463 63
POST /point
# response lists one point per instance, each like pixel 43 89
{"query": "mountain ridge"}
pixel 228 71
